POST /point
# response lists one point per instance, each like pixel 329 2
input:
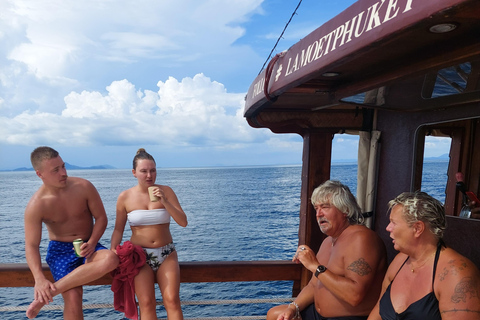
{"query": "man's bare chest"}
pixel 59 212
pixel 332 258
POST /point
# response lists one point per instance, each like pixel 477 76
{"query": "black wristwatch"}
pixel 320 269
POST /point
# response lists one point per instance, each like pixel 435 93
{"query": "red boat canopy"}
pixel 369 45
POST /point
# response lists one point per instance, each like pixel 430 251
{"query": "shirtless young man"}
pixel 347 270
pixel 68 207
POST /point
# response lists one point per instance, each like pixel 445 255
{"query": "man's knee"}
pixel 73 297
pixel 273 313
pixel 108 259
pixel 73 300
pixel 111 260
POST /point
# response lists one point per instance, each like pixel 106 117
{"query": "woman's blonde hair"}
pixel 420 206
pixel 142 155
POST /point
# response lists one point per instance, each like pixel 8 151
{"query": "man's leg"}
pixel 100 263
pixel 73 309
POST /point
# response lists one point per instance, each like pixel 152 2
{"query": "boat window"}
pixel 358 98
pixel 374 97
pixel 448 81
pixel 444 153
pixel 435 166
pixel 344 160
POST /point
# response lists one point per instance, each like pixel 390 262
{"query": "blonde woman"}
pixel 150 225
pixel 426 280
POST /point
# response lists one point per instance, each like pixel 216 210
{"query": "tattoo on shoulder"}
pixel 466 288
pixel 360 266
pixel 454 268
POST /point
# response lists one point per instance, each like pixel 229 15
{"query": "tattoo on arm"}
pixel 453 269
pixel 461 310
pixel 360 267
pixel 466 288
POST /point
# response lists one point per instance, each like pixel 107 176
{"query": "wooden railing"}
pixel 19 275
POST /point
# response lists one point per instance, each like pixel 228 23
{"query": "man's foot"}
pixel 34 309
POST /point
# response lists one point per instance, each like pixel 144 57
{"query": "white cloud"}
pixel 50 48
pixel 129 46
pixel 191 112
pixel 85 74
pixel 59 33
pixel 42 60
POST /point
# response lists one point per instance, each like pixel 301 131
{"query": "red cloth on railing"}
pixel 132 258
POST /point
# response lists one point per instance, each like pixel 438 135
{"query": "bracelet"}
pixel 297 310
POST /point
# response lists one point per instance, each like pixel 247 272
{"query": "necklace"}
pixel 412 268
pixel 334 240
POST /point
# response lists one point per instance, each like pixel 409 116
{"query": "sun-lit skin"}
pixel 330 220
pixel 420 253
pixel 146 173
pixel 353 257
pixel 70 208
pixel 398 228
pixel 152 235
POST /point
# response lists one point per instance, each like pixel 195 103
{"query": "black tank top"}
pixel 425 309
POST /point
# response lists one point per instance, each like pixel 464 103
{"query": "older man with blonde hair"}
pixel 348 268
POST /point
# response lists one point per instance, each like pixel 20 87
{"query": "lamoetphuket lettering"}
pixel 376 15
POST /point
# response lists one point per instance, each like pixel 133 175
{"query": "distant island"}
pixel 69 166
pixel 443 157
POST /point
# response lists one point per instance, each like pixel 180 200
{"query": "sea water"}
pixel 234 213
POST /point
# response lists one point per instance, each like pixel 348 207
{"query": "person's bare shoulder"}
pixel 123 195
pixel 360 242
pixel 453 267
pixel 77 181
pixel 165 188
pixel 125 199
pixel 457 285
pixel 32 207
pixel 81 186
pixel 395 265
pixel 126 193
pixel 362 236
pixel 36 204
pixel 363 243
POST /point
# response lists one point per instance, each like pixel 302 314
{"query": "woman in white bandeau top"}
pixel 150 224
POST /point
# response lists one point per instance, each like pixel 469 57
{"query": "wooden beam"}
pixel 317 150
pixel 19 275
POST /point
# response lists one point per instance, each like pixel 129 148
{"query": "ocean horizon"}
pixel 443 157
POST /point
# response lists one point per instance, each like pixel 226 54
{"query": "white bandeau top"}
pixel 148 217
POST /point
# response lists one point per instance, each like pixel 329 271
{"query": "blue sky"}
pixel 98 79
